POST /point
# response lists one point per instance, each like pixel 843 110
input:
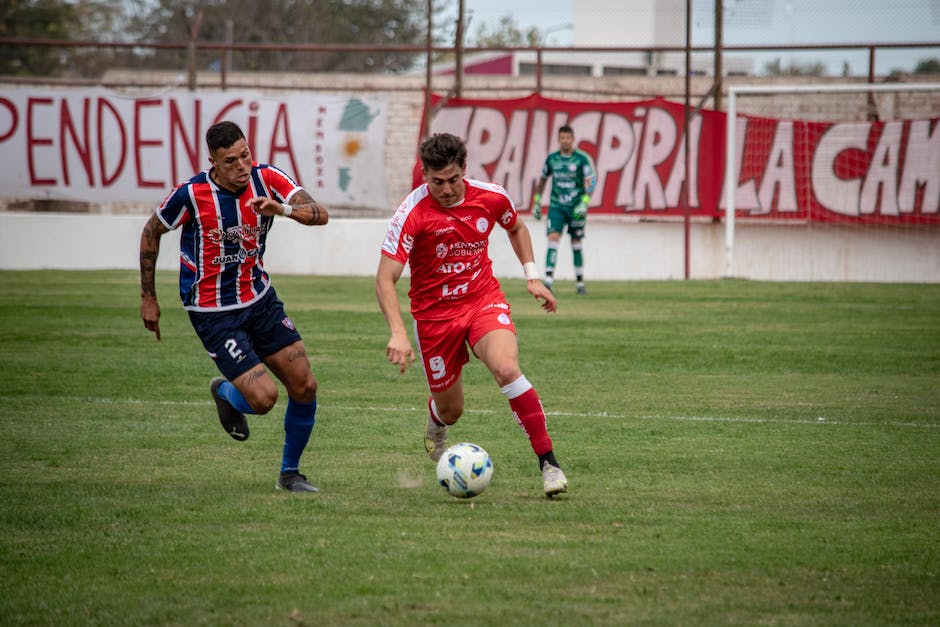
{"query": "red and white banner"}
pixel 878 172
pixel 96 145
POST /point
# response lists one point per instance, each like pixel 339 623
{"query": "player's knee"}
pixel 307 392
pixel 263 404
pixel 506 373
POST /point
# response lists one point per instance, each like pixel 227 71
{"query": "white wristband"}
pixel 531 271
pixel 287 210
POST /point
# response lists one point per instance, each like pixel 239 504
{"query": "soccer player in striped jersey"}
pixel 225 214
pixel 442 231
pixel 573 181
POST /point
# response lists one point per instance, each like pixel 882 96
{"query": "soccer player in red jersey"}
pixel 224 214
pixel 442 231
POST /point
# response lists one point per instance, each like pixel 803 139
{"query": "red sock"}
pixel 432 410
pixel 527 408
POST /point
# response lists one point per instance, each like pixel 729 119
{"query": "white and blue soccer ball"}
pixel 464 470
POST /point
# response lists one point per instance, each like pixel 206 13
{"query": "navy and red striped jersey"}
pixel 222 239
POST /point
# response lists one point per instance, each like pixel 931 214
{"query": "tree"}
pixel 927 66
pixel 100 20
pixel 47 19
pixel 506 33
pixel 373 22
pixel 775 68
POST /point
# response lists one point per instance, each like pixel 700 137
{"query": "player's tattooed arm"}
pixel 149 249
pixel 307 210
pixel 301 208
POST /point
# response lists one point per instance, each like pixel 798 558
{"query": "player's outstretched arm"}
pixel 301 208
pixel 398 350
pixel 542 294
pixel 149 249
pixel 521 242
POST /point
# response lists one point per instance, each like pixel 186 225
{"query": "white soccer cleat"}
pixel 553 480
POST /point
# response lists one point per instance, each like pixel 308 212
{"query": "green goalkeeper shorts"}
pixel 560 218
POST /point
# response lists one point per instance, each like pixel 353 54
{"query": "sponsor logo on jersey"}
pixel 235 233
pixel 456 291
pixel 465 249
pixel 238 257
pixel 455 267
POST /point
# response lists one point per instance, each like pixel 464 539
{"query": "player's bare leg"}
pixel 498 349
pixel 444 409
pixel 258 389
pixel 292 366
pixel 252 392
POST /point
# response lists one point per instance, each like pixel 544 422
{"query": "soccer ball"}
pixel 464 470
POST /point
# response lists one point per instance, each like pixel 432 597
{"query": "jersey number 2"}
pixel 232 346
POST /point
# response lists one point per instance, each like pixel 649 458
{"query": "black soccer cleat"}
pixel 293 481
pixel 233 421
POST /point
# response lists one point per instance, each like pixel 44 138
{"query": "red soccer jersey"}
pixel 448 247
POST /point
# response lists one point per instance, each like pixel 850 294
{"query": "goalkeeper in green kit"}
pixel 572 183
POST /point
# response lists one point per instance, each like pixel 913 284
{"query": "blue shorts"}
pixel 238 339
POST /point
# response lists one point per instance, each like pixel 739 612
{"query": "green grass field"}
pixel 739 453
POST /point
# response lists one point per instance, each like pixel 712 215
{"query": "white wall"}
pixel 615 249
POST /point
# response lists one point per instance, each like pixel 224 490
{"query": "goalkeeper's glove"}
pixel 580 212
pixel 537 206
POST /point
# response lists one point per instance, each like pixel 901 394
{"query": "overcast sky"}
pixel 761 22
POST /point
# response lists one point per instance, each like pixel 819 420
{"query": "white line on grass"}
pixel 821 420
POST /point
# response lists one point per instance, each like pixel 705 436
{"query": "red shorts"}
pixel 443 344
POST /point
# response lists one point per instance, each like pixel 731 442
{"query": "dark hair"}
pixel 440 150
pixel 566 129
pixel 223 135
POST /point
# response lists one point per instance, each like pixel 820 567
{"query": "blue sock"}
pixel 298 424
pixel 231 394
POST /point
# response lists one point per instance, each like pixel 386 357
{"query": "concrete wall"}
pixel 615 249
